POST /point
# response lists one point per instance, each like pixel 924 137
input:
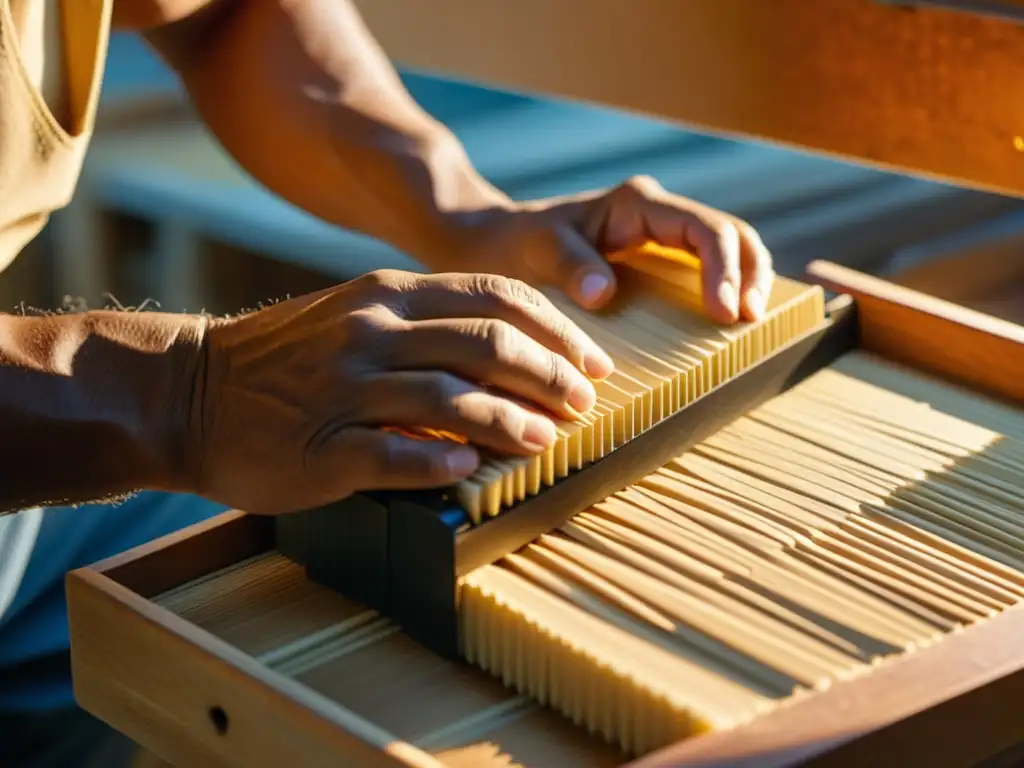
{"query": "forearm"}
pixel 94 405
pixel 303 97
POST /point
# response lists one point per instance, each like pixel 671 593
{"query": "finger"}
pixel 366 459
pixel 568 261
pixel 716 241
pixel 445 402
pixel 516 303
pixel 718 246
pixel 494 353
pixel 641 209
pixel 756 273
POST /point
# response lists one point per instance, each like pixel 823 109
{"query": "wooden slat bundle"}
pixel 402 553
pixel 254 643
pixel 666 354
pixel 834 527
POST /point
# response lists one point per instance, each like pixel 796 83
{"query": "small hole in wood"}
pixel 220 721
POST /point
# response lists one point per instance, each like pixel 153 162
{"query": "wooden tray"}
pixel 177 643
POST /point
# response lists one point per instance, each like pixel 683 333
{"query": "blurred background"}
pixel 163 214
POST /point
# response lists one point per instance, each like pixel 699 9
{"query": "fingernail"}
pixel 755 302
pixel 539 433
pixel 597 364
pixel 462 462
pixel 727 296
pixel 582 397
pixel 592 288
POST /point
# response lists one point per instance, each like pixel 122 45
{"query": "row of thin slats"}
pixel 267 608
pixel 867 513
pixel 666 356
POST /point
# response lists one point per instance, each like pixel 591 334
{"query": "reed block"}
pixel 427 554
pixel 670 359
pixel 865 514
pixel 667 354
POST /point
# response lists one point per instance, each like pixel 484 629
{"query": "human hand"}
pixel 562 242
pixel 293 405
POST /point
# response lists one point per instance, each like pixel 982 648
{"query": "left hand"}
pixel 561 242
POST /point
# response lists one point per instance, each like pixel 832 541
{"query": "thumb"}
pixel 577 268
pixel 364 459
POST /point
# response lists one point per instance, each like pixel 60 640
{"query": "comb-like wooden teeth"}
pixel 831 529
pixel 666 356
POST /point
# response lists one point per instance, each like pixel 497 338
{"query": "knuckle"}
pixel 641 185
pixel 522 293
pixel 501 341
pixel 493 286
pixel 390 457
pixel 394 457
pixel 564 332
pixel 559 379
pixel 749 233
pixel 382 283
pixel 506 418
pixel 433 469
pixel 364 325
pixel 506 290
pixel 747 230
pixel 378 278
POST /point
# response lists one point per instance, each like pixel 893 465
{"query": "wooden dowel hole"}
pixel 219 719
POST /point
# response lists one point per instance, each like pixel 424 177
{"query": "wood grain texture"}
pixel 932 335
pixel 949 705
pixel 189 554
pixel 191 698
pixel 156 676
pixel 926 91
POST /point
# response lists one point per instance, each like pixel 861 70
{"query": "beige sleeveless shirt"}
pixel 52 55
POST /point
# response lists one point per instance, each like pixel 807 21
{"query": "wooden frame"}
pixel 921 90
pixel 930 334
pixel 195 700
pixel 211 706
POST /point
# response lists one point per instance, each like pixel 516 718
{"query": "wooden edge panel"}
pixel 189 554
pixel 858 79
pixel 193 699
pixel 931 335
pixel 951 704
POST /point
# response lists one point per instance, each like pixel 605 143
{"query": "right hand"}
pixel 290 409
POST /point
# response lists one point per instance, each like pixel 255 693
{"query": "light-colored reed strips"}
pixel 866 513
pixel 666 353
pixel 359 660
